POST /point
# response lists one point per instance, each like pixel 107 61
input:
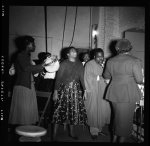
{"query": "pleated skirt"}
pixel 98 112
pixel 24 109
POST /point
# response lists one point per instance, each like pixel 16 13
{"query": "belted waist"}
pixel 122 78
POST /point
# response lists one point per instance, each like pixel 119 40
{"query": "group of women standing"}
pixel 79 91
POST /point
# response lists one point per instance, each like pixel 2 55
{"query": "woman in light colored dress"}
pixel 98 109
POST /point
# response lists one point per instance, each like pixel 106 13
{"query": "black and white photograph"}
pixel 74 73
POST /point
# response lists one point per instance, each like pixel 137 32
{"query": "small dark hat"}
pixel 123 45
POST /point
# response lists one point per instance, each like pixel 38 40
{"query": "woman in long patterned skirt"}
pixel 68 96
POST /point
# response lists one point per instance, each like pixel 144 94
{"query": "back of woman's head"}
pixel 123 45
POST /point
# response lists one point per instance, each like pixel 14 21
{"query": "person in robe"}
pixel 98 109
pixel 125 73
pixel 68 94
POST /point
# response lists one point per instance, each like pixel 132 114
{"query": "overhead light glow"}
pixel 94 33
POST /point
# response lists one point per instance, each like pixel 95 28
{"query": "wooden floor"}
pixel 62 136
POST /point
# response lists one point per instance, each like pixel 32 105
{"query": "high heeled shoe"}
pixel 94 137
pixel 102 134
pixel 54 139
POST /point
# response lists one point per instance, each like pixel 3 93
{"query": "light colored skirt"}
pixel 24 110
pixel 98 112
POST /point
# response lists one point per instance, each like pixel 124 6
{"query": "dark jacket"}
pixel 125 72
pixel 24 69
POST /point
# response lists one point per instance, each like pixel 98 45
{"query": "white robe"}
pixel 98 109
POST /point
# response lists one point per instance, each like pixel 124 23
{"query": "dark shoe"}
pixel 102 134
pixel 114 139
pixel 54 139
pixel 94 137
pixel 74 137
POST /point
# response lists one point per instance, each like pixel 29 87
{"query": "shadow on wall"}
pixel 112 48
pixel 18 44
pixel 63 54
pixel 92 54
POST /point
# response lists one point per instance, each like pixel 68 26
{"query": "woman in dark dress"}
pixel 24 110
pixel 68 96
pixel 125 72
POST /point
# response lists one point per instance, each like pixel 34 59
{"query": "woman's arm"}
pixel 60 75
pixel 81 72
pixel 27 66
pixel 89 76
pixel 106 73
pixel 137 72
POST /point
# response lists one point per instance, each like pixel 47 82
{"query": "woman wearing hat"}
pixel 125 72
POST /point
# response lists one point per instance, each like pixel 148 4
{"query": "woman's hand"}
pixel 43 64
pixel 55 96
pixel 107 81
pixel 85 95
